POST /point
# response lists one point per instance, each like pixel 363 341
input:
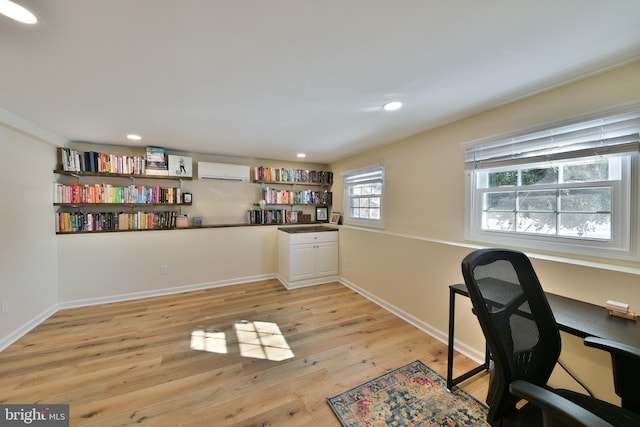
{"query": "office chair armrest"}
pixel 615 348
pixel 555 407
pixel 625 360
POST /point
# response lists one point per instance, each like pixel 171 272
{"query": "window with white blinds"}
pixel 363 192
pixel 568 189
pixel 619 133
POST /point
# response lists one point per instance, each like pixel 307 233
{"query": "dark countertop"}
pixel 311 229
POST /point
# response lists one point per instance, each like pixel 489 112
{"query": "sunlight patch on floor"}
pixel 255 339
pixel 211 341
pixel 262 340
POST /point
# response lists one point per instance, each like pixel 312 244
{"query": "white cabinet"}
pixel 307 257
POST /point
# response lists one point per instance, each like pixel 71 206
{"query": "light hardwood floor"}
pixel 132 362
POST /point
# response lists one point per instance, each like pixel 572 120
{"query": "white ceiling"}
pixel 270 78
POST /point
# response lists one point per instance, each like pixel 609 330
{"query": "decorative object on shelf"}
pixel 180 166
pixel 322 213
pixel 197 221
pixel 187 197
pixel 335 218
pixel 182 221
pixel 262 203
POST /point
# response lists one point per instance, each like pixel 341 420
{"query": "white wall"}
pixel 410 263
pixel 28 256
pixel 108 266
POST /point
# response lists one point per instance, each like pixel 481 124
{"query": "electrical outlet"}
pixel 164 269
pixel 4 306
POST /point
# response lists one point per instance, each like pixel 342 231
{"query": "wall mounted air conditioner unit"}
pixel 223 171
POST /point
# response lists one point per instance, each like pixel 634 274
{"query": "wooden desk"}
pixel 575 317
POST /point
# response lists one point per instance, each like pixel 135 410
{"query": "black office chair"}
pixel 524 343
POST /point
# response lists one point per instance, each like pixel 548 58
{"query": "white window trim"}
pixel 625 242
pixel 623 246
pixel 373 223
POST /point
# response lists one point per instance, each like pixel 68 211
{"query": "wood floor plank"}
pixel 132 362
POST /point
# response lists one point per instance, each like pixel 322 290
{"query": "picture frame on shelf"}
pixel 322 213
pixel 180 166
pixel 335 218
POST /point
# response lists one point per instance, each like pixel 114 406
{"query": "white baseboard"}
pixel 161 292
pixel 24 329
pixel 441 336
pixel 306 283
pixel 20 332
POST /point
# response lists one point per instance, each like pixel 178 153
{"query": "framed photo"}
pixel 180 166
pixel 186 197
pixel 322 213
pixel 335 218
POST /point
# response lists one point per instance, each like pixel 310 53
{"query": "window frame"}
pixel 367 175
pixel 536 148
pixel 622 245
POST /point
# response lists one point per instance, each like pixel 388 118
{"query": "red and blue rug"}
pixel 413 395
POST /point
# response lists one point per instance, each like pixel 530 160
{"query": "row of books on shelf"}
pixel 306 197
pixel 276 216
pixel 107 193
pixel 155 163
pixel 70 222
pixel 71 160
pixel 266 173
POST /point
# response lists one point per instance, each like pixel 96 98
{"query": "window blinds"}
pixel 619 133
pixel 364 176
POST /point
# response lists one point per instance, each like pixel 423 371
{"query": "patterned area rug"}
pixel 413 395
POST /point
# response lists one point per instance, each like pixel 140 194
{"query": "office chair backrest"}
pixel 517 322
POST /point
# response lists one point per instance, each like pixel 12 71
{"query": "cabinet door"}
pixel 302 261
pixel 326 259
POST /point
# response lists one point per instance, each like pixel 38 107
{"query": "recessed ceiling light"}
pixel 134 137
pixel 392 106
pixel 17 12
pixel 301 155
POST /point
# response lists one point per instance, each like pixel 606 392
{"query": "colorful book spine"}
pixel 274 216
pixel 267 173
pixel 73 222
pixel 71 160
pixel 107 193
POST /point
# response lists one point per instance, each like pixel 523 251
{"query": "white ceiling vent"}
pixel 223 171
